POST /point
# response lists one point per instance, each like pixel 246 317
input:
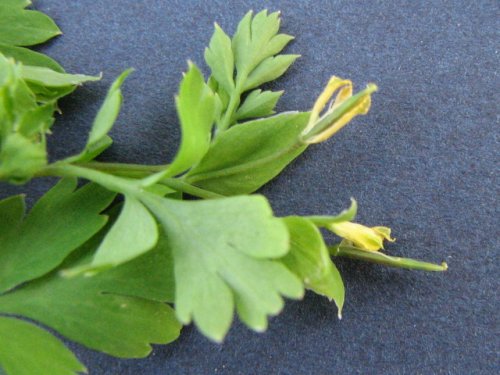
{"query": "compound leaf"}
pixel 223 254
pixel 114 311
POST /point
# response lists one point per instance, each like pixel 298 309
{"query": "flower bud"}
pixel 364 238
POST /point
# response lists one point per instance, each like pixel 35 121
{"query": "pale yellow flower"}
pixel 365 238
pixel 341 110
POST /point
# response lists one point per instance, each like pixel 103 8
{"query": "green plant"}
pixel 117 275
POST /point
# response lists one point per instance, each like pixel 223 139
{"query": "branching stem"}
pixel 117 177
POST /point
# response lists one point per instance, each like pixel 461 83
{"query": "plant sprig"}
pixel 119 275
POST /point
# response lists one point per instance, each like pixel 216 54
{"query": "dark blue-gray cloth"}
pixel 424 162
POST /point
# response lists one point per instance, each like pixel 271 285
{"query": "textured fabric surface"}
pixel 424 161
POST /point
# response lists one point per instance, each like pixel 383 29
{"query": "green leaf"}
pixel 223 253
pixel 134 232
pixel 28 349
pixel 196 108
pixel 269 70
pixel 45 94
pixel 327 221
pixel 11 214
pixel 29 57
pixel 61 220
pixel 109 110
pixel 20 158
pixel 245 157
pixel 37 121
pixel 21 27
pixel 16 3
pixel 309 259
pixel 98 140
pixel 15 96
pixel 109 312
pixel 92 151
pixel 219 57
pixel 149 276
pixel 256 39
pixel 254 45
pixel 50 78
pixel 258 104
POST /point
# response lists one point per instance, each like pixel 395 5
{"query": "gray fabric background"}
pixel 424 161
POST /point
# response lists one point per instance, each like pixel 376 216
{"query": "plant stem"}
pixel 234 101
pixel 124 170
pixel 185 187
pixel 386 260
pixel 102 174
pixel 109 181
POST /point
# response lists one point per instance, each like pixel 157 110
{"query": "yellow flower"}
pixel 365 238
pixel 340 111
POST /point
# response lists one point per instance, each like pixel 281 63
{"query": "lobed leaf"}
pixel 223 253
pixel 252 52
pixel 109 312
pixel 62 220
pixel 256 39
